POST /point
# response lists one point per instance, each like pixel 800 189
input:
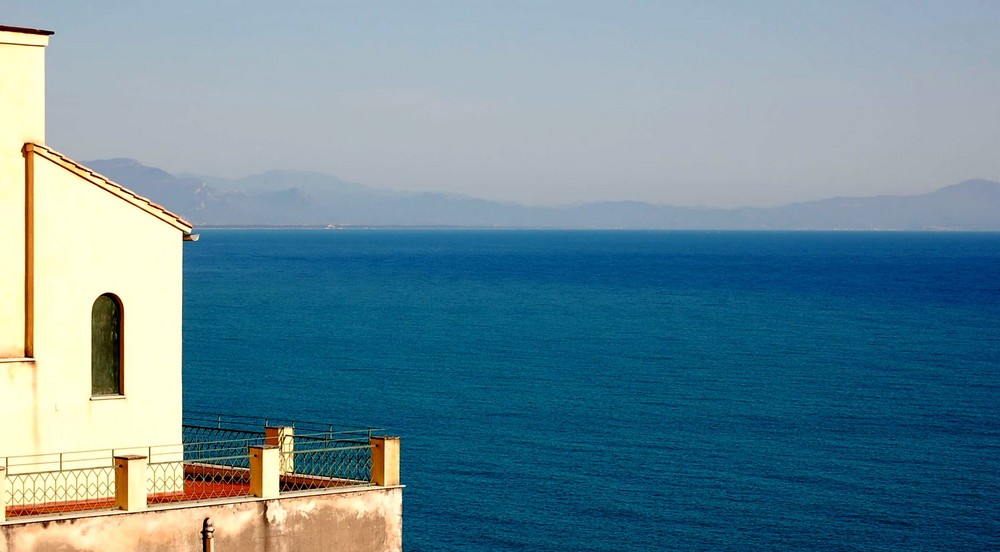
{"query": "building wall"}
pixel 88 242
pixel 362 521
pixel 22 119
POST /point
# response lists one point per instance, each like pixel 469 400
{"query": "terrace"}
pixel 221 459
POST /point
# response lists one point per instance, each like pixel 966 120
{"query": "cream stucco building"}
pixel 77 247
pixel 90 377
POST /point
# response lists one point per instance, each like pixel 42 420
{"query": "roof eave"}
pixel 110 186
pixel 25 30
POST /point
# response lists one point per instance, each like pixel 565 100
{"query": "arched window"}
pixel 106 346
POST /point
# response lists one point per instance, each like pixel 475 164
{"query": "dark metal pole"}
pixel 208 536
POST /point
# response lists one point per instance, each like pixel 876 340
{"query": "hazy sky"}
pixel 690 103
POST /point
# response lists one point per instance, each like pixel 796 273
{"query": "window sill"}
pixel 107 397
pixel 16 359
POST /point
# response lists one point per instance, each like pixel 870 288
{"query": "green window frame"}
pixel 106 346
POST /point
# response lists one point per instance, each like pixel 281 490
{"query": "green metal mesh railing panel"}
pixel 325 460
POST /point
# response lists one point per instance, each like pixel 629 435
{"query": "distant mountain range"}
pixel 298 198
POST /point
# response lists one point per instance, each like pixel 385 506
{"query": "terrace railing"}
pixel 57 483
pixel 221 457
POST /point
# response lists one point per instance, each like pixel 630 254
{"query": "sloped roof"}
pixel 109 186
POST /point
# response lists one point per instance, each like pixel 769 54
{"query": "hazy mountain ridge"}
pixel 289 197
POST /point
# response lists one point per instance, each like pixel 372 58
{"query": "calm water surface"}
pixel 586 390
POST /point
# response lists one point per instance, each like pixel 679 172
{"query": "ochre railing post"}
pixel 265 471
pixel 283 438
pixel 3 493
pixel 130 482
pixel 385 460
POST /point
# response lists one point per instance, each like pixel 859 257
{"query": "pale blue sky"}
pixel 689 103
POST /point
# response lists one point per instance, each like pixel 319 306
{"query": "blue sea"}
pixel 613 390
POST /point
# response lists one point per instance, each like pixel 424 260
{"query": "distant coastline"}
pixel 298 199
pixel 564 228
